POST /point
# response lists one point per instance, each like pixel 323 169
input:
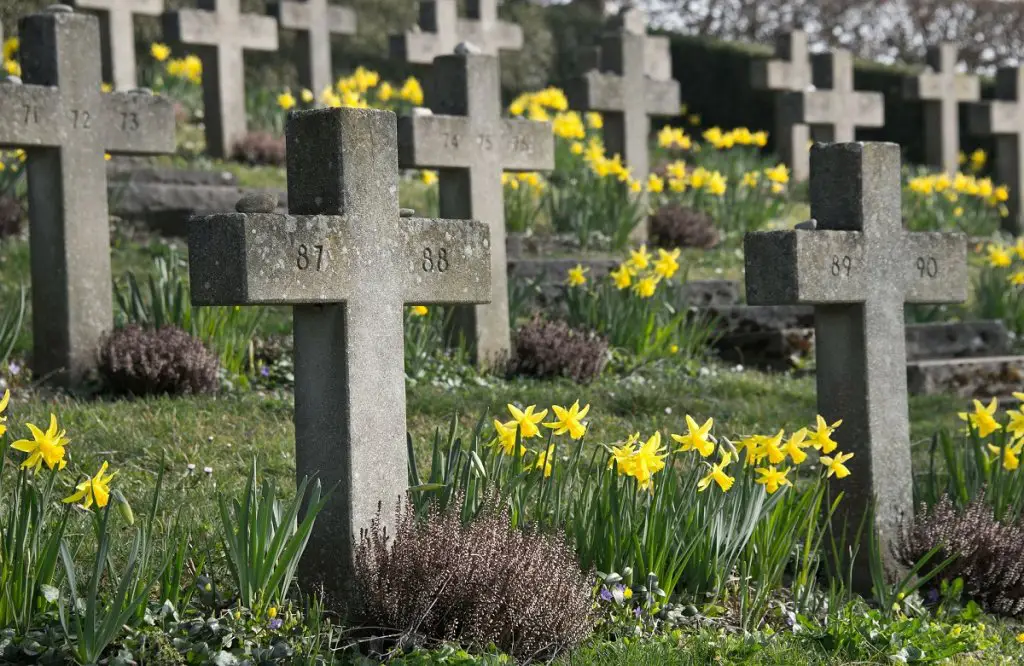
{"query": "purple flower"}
pixel 13 368
pixel 637 611
pixel 605 594
pixel 264 371
pixel 933 595
pixel 275 624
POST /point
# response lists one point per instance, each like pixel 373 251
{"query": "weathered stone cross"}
pixel 789 71
pixel 858 268
pixel 220 33
pixel 117 34
pixel 471 144
pixel 1003 117
pixel 942 89
pixel 835 109
pixel 626 96
pixel 348 264
pixel 440 30
pixel 65 124
pixel 316 21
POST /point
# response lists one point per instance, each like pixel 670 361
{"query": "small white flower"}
pixel 668 410
pixel 208 470
pixel 191 467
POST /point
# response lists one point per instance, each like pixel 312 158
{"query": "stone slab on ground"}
pixel 131 170
pixel 967 377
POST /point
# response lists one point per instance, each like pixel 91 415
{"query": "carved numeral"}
pixel 841 265
pixel 928 266
pixel 432 262
pixel 129 121
pixel 81 119
pixel 451 140
pixel 520 144
pixel 31 113
pixel 304 259
pixel 484 141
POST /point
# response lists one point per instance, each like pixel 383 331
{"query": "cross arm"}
pixel 138 122
pixel 30 115
pixel 662 98
pixel 933 86
pixel 767 74
pixel 191 26
pixel 994 117
pixel 823 107
pixel 491 37
pixel 341 20
pixel 805 267
pixel 935 267
pixel 146 7
pixel 414 47
pixel 597 91
pixel 445 261
pixel 440 142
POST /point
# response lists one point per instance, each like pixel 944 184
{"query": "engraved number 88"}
pixel 438 263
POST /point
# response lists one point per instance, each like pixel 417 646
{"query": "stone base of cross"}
pixel 858 268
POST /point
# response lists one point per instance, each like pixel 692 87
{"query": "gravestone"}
pixel 219 33
pixel 65 124
pixel 315 21
pixel 942 90
pixel 440 30
pixel 621 90
pixel 471 144
pixel 117 34
pixel 1003 118
pixel 788 71
pixel 858 268
pixel 347 263
pixel 834 109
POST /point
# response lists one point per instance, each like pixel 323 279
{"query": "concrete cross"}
pixel 1003 118
pixel 626 96
pixel 858 268
pixel 835 109
pixel 440 30
pixel 471 144
pixel 788 71
pixel 316 21
pixel 219 33
pixel 117 33
pixel 942 89
pixel 347 263
pixel 65 124
pixel 657 50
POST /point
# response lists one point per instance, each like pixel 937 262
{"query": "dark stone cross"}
pixel 347 263
pixel 858 268
pixel 219 33
pixel 788 71
pixel 315 21
pixel 65 125
pixel 117 34
pixel 942 89
pixel 471 144
pixel 1003 118
pixel 622 91
pixel 440 30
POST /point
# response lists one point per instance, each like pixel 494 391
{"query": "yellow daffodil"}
pixel 836 465
pixel 821 438
pixel 772 479
pixel 697 438
pixel 771 447
pixel 577 276
pixel 639 259
pixel 594 120
pixel 1015 426
pixel 419 310
pixel 623 455
pixel 750 179
pixel 428 177
pixel 3 408
pixel 718 475
pixel 95 489
pixel 411 91
pixel 998 257
pixel 569 420
pixel 544 460
pixel 778 174
pixel 286 100
pixel 506 437
pixel 655 184
pixel 527 420
pixel 44 447
pixel 648 460
pixel 978 159
pixel 307 96
pixel 795 446
pixel 13 68
pixel 621 277
pixel 982 418
pixel 1016 278
pixel 160 52
pixel 576 148
pixel 1010 454
pixel 666 265
pixel 752 445
pixel 646 286
pixel 10 47
pixel 568 125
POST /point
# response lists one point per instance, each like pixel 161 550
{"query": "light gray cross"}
pixel 348 264
pixel 117 34
pixel 835 109
pixel 788 71
pixel 858 268
pixel 316 21
pixel 471 144
pixel 942 89
pixel 219 33
pixel 440 30
pixel 626 96
pixel 65 124
pixel 1003 118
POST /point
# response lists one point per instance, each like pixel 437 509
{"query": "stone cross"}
pixel 347 263
pixel 219 33
pixel 942 89
pixel 440 30
pixel 117 33
pixel 788 71
pixel 65 124
pixel 1003 118
pixel 471 144
pixel 858 268
pixel 835 109
pixel 316 21
pixel 626 96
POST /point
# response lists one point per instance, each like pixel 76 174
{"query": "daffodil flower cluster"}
pixel 360 90
pixel 539 105
pixel 9 55
pixel 641 272
pixel 526 424
pixel 982 421
pixel 999 256
pixel 960 201
pixel 680 179
pixel 740 136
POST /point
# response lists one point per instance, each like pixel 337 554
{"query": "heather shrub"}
pixel 479 583
pixel 12 216
pixel 989 554
pixel 547 349
pixel 138 361
pixel 260 148
pixel 675 226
